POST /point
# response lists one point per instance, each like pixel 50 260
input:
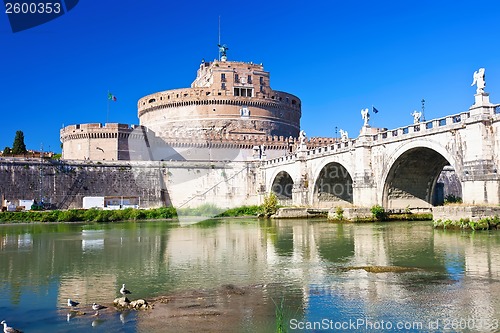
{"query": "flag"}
pixel 111 97
pixel 374 109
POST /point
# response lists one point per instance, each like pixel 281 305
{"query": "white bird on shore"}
pixel 124 291
pixel 8 329
pixel 96 307
pixel 72 303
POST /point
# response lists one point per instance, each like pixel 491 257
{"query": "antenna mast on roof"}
pixel 219 38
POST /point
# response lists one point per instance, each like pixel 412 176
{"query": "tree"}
pixel 6 151
pixel 19 147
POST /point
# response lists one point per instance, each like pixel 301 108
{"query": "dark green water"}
pixel 454 288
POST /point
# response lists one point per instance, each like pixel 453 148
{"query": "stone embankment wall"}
pixel 186 184
pixel 455 213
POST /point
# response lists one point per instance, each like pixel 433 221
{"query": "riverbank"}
pixel 352 214
pixel 128 214
pixel 467 217
pixel 446 217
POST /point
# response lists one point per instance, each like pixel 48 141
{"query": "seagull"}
pixel 72 303
pixel 124 291
pixel 96 307
pixel 8 329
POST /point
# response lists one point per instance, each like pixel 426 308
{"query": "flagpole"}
pixel 107 115
pixel 372 112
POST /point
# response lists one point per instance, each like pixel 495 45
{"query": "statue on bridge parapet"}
pixel 302 141
pixel 302 137
pixel 416 116
pixel 479 80
pixel 344 136
pixel 482 98
pixel 366 116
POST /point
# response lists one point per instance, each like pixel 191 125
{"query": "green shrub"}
pixel 450 198
pixel 339 211
pixel 240 211
pixel 270 205
pixel 378 212
pixel 91 214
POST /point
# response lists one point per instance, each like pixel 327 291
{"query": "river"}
pixel 443 280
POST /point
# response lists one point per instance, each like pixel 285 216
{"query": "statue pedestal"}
pixel 368 130
pixel 481 99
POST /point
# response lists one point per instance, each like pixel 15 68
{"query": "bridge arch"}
pixel 282 186
pixel 411 173
pixel 332 185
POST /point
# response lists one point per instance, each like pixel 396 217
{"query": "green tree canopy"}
pixel 19 147
pixel 6 151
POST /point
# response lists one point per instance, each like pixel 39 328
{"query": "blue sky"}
pixel 336 56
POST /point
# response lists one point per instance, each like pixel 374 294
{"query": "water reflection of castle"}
pixel 460 270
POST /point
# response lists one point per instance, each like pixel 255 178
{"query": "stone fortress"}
pixel 230 112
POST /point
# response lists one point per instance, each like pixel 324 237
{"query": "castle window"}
pixel 208 93
pixel 223 86
pixel 236 91
pixel 152 100
pixel 261 80
pixel 287 100
pixel 294 102
pixel 223 77
pixel 236 78
pixel 249 79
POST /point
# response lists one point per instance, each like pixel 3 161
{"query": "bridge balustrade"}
pixel 413 128
pixel 426 125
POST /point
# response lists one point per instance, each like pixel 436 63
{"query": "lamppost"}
pixel 423 109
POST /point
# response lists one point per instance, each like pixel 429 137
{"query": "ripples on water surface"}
pixel 304 263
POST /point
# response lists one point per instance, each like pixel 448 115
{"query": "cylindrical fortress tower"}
pixel 225 98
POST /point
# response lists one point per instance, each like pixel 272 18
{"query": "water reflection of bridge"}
pixel 458 276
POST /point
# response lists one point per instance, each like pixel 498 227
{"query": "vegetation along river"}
pixel 249 275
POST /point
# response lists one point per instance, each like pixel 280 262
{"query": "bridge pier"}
pixel 364 186
pixel 480 179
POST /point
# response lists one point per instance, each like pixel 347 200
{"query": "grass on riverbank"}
pixel 128 214
pixel 486 223
pixel 212 210
pixel 395 217
pixel 89 215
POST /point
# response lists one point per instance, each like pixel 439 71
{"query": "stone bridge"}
pixel 397 168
